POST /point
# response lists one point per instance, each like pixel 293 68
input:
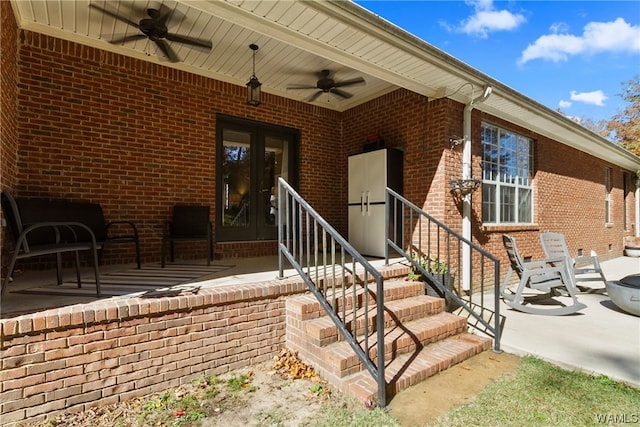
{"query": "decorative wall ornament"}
pixel 463 187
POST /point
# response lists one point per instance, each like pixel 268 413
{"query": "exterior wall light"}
pixel 254 93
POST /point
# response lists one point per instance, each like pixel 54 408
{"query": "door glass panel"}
pixel 236 176
pixel 276 160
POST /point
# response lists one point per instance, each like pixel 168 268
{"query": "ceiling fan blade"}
pixel 314 96
pixel 341 93
pixel 126 39
pixel 351 82
pixel 295 87
pixel 166 49
pixel 115 15
pixel 188 40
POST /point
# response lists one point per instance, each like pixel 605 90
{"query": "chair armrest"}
pixel 22 242
pixel 586 260
pixel 543 263
pixel 132 226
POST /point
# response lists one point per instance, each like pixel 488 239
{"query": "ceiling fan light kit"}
pixel 254 91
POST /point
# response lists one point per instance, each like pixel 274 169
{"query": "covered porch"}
pixel 602 339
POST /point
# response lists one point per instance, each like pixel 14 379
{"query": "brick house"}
pixel 87 120
pixel 83 119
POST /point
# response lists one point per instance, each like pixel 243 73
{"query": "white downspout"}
pixel 466 174
pixel 637 208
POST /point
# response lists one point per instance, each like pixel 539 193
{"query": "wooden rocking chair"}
pixel 554 246
pixel 545 276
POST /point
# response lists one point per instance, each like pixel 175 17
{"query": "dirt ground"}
pixel 272 399
pixel 423 403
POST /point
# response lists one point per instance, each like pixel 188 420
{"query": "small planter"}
pixel 447 280
pixel 439 270
pixel 464 187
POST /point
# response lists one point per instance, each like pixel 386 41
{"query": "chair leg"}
pixel 59 268
pixel 596 264
pixel 12 265
pixel 96 272
pixel 209 249
pixel 505 285
pixel 77 260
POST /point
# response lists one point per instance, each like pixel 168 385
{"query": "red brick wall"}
pixel 139 137
pixel 95 354
pixel 8 88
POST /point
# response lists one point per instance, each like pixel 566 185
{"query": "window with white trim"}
pixel 507 177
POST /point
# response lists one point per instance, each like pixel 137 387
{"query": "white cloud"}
pixel 597 97
pixel 487 19
pixel 597 37
pixel 564 104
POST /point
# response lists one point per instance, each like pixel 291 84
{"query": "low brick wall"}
pixel 112 350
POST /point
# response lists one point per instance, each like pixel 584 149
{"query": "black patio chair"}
pixel 188 223
pixel 34 235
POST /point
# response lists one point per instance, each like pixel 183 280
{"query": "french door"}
pixel 251 156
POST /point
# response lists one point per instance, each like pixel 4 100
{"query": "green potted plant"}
pixel 440 271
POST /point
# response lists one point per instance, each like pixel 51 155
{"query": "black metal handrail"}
pixel 334 272
pixel 432 243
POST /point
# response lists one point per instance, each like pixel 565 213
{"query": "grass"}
pixel 541 394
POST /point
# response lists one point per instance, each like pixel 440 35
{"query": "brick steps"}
pixel 421 339
pixel 411 368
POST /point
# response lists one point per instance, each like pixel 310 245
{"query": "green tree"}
pixel 625 126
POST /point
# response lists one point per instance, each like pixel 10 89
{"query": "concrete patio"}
pixel 600 339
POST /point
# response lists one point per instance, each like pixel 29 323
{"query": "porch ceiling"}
pixel 297 39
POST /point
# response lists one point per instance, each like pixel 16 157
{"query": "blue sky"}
pixel 572 55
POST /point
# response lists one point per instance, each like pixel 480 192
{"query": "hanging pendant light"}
pixel 254 93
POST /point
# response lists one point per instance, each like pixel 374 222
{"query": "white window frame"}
pixel 507 188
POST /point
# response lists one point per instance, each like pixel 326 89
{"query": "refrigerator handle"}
pixel 368 210
pixel 362 203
